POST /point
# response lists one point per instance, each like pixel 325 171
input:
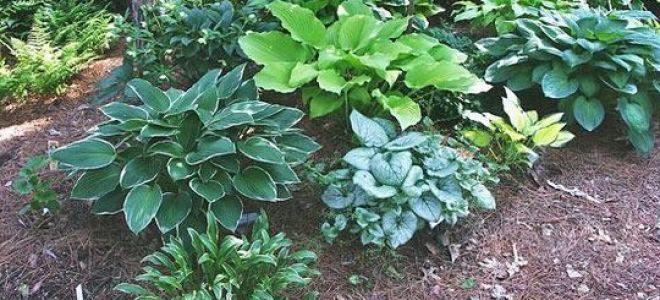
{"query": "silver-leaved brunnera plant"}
pixel 179 154
pixel 394 185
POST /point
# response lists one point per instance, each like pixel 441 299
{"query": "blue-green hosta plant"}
pixel 588 60
pixel 261 267
pixel 397 184
pixel 358 61
pixel 513 142
pixel 180 153
pixel 502 13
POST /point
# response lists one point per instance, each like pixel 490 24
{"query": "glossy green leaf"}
pixel 141 205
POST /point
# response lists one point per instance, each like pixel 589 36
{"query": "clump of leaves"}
pixel 16 17
pixel 396 184
pixel 262 267
pixel 588 60
pixel 181 153
pixel 515 142
pixel 420 10
pixel 502 13
pixel 29 183
pixel 354 60
pixel 185 39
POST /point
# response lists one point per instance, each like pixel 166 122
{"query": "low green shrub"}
pixel 262 267
pixel 29 183
pixel 588 60
pixel 394 185
pixel 514 142
pixel 179 154
pixel 16 17
pixel 358 61
pixel 185 39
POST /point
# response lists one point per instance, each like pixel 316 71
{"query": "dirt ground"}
pixel 586 226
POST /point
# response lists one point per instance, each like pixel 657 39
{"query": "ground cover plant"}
pixel 357 62
pixel 395 184
pixel 30 183
pixel 259 267
pixel 179 153
pixel 588 60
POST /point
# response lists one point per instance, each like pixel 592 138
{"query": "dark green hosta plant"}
pixel 262 267
pixel 514 142
pixel 589 60
pixel 396 184
pixel 179 154
pixel 354 60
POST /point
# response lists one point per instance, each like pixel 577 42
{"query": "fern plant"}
pixel 261 267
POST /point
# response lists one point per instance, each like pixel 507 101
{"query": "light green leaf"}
pixel 404 109
pixel 324 103
pixel 276 77
pixel 302 74
pixel 272 47
pixel 329 80
pixel 300 22
pixel 546 136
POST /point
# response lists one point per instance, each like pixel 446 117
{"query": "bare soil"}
pixel 597 236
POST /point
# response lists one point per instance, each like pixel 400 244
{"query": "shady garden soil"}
pixel 584 225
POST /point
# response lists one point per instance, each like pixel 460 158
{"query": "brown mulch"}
pixel 602 245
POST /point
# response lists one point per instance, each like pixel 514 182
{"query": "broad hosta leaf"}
pixel 139 170
pixel 210 147
pixel 281 173
pixel 324 103
pixel 635 115
pixel 151 96
pixel 331 81
pixel 300 22
pixel 588 113
pixel 110 203
pixel 370 133
pixel 255 183
pixel 546 136
pixel 360 157
pixel 299 141
pixel 173 210
pixel 427 207
pixel 96 183
pixel 178 169
pixel 141 205
pixel 124 112
pixel 272 47
pixel 167 148
pixel 211 190
pixel 276 77
pixel 642 140
pixel 228 211
pixel 399 229
pixel 404 109
pixel 261 149
pixel 556 84
pixel 91 153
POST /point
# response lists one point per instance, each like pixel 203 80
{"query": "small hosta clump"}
pixel 180 154
pixel 261 267
pixel 396 184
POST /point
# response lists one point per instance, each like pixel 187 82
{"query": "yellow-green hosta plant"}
pixel 358 61
pixel 397 184
pixel 586 61
pixel 180 153
pixel 514 141
pixel 261 267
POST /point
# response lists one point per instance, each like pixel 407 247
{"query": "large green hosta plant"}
pixel 396 184
pixel 179 154
pixel 588 60
pixel 354 60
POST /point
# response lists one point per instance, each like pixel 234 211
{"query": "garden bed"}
pixel 596 236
